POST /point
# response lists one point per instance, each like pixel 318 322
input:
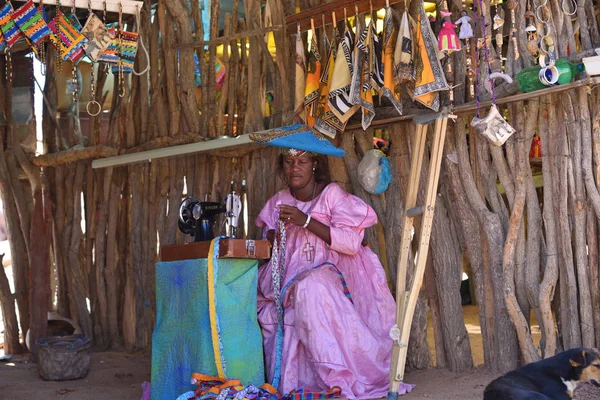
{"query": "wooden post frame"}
pixel 407 300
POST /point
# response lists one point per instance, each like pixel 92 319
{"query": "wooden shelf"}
pixel 303 18
pixel 470 107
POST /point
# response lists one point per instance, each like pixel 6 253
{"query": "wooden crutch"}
pixel 407 300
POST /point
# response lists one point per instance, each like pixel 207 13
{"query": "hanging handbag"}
pixel 67 39
pixel 30 21
pixel 9 29
pixel 127 43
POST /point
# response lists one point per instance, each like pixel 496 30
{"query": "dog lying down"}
pixel 554 378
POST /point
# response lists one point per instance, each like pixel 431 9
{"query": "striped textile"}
pixel 376 62
pixel 339 95
pixel 361 89
pixel 30 21
pixel 215 327
pixel 9 29
pixel 300 81
pixel 67 39
pixel 391 90
pixel 313 79
pixel 2 42
pixel 301 394
pixel 110 54
pixel 126 50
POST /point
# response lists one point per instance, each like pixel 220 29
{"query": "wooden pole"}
pixel 406 301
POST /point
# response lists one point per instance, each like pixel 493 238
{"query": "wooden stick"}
pixel 229 38
pixel 469 108
pixel 396 374
pixel 303 18
pixel 409 299
pixel 101 151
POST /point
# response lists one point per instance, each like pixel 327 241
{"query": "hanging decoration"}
pixel 343 69
pixel 493 126
pixel 536 147
pixel 391 89
pixel 69 42
pixel 8 27
pixel 299 113
pixel 313 77
pixel 326 122
pixel 31 22
pixel 447 38
pixel 466 30
pixel 512 6
pixel 97 34
pixel 363 74
pixel 429 74
pixel 403 55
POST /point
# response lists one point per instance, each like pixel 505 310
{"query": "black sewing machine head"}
pixel 197 218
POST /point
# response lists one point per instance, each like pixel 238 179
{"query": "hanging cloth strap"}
pixel 137 23
pixel 212 276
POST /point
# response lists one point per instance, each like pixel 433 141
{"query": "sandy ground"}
pixel 117 375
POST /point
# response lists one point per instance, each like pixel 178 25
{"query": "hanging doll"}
pixel 466 30
pixel 447 38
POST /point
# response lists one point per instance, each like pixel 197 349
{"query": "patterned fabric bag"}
pixel 67 39
pixel 31 22
pixel 98 35
pixel 2 42
pixel 110 54
pixel 127 43
pixel 9 29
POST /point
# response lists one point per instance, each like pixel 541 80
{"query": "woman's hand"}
pixel 271 236
pixel 291 215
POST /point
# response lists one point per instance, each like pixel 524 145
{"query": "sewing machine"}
pixel 197 218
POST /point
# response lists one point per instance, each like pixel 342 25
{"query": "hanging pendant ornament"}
pixel 531 29
pixel 512 6
pixel 120 64
pixel 499 28
pixel 493 126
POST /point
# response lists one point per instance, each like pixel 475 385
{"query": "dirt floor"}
pixel 118 376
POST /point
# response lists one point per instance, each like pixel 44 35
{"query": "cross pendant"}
pixel 308 249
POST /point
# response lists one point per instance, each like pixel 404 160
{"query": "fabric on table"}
pixel 181 342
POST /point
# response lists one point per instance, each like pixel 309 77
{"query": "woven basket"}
pixel 62 358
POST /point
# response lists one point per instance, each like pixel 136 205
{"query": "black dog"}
pixel 554 378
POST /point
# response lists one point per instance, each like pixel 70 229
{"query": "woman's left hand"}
pixel 292 215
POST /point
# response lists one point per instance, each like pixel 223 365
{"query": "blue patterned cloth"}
pixel 181 342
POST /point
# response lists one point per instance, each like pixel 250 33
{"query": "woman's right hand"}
pixel 271 236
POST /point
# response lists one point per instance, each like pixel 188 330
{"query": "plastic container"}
pixel 529 78
pixel 62 358
pixel 592 65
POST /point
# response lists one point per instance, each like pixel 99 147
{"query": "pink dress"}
pixel 328 341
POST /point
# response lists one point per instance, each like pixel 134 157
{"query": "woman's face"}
pixel 298 170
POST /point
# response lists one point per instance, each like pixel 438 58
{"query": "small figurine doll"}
pixel 447 38
pixel 466 31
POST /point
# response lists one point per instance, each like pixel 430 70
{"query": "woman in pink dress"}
pixel 328 339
